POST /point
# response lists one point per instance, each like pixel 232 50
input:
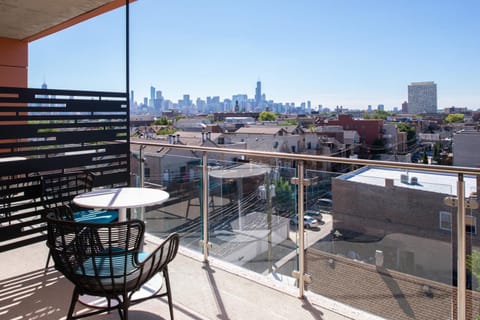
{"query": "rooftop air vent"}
pixel 414 180
pixel 404 178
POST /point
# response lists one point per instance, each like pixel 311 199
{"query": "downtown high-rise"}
pixel 258 94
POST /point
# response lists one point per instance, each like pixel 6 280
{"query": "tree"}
pixel 473 264
pixel 163 121
pixel 436 150
pixel 378 114
pixel 411 133
pixel 378 146
pixel 283 195
pixel 267 116
pixel 289 122
pixel 425 158
pixel 455 117
pixel 165 131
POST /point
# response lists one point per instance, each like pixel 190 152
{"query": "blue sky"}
pixel 344 52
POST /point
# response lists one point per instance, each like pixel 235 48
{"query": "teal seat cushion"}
pixel 104 264
pixel 95 216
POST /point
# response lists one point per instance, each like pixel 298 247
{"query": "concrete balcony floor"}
pixel 200 291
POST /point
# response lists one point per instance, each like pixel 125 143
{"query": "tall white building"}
pixel 422 97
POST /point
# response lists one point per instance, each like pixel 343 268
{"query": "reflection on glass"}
pixel 390 245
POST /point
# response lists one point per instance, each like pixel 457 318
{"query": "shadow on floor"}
pixel 36 295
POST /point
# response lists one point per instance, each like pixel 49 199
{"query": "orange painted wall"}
pixel 13 63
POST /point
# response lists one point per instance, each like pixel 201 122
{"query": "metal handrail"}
pixel 304 157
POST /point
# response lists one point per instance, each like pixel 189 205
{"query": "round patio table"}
pixel 121 199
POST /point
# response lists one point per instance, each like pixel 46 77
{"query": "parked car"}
pixel 324 202
pixel 314 213
pixel 308 221
pixel 323 205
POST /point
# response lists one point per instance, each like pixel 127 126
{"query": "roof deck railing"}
pixel 185 168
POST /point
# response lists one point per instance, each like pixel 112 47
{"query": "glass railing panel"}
pixel 178 173
pixel 389 251
pixel 472 249
pixel 251 226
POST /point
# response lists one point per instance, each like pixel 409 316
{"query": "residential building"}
pixel 408 218
pixel 422 97
pixel 369 130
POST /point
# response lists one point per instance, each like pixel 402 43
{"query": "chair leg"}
pixel 119 309
pixel 48 261
pixel 72 304
pixel 125 305
pixel 169 293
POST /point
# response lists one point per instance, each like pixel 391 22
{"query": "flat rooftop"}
pixel 425 181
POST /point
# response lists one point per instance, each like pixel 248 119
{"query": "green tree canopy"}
pixel 411 133
pixel 267 116
pixel 455 117
pixel 283 195
pixel 165 131
pixel 378 146
pixel 290 122
pixel 163 121
pixel 473 264
pixel 378 114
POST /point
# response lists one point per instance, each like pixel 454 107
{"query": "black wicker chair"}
pixel 105 260
pixel 60 189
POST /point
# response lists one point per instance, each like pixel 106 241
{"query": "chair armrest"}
pixel 158 259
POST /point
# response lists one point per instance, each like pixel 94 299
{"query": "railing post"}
pixel 141 166
pixel 205 190
pixel 461 271
pixel 300 274
pixel 301 230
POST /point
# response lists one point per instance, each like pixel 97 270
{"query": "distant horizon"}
pixel 346 53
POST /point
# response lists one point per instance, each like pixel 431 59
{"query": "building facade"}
pixel 422 97
pixel 408 222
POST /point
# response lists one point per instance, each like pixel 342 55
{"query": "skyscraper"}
pixel 152 95
pixel 422 97
pixel 258 94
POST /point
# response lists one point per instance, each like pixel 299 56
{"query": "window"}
pixel 445 221
pixel 470 224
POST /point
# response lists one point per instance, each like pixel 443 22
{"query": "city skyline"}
pixel 345 53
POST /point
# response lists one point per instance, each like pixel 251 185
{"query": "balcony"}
pixel 386 241
pixel 385 245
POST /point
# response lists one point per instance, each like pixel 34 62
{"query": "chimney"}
pixel 379 258
pixel 389 183
pixel 209 135
pixel 203 136
pixel 178 138
pixel 170 140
